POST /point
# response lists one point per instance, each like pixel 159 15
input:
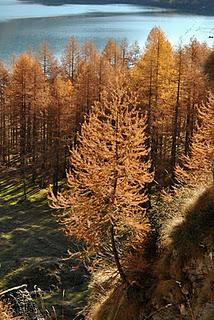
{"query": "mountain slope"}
pixel 175 4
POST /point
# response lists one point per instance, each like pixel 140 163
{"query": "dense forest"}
pixel 121 136
pixel 44 102
pixel 183 4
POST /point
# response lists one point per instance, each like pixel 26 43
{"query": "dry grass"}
pixel 115 306
pixel 193 221
pixel 112 300
pixel 187 255
pixel 169 290
pixel 187 237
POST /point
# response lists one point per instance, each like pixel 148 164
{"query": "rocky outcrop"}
pixel 187 292
pixel 21 303
pixel 178 284
pixel 184 288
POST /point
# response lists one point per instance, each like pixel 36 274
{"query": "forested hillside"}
pixel 177 4
pixel 44 102
pixel 121 138
pixel 183 4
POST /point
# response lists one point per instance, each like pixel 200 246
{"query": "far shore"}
pixel 200 10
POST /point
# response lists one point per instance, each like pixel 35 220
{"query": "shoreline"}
pixel 209 11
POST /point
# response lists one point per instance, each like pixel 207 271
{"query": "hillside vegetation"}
pixel 121 139
pixel 176 285
pixel 33 249
pixel 177 4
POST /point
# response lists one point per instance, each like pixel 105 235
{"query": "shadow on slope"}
pixel 33 248
pixel 178 285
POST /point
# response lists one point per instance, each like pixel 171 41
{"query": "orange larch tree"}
pixel 196 169
pixel 70 58
pixel 153 78
pixel 4 114
pixel 108 176
pixel 61 127
pixel 27 98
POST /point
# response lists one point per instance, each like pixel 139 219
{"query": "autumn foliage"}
pixel 43 102
pixel 196 168
pixel 130 133
pixel 109 172
pixel 123 115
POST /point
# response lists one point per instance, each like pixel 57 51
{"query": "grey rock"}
pixel 21 303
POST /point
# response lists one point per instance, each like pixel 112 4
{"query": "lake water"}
pixel 24 26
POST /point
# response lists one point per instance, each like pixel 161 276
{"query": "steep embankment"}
pixel 185 271
pixel 178 285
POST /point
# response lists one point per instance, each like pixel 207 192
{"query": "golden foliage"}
pixel 196 168
pixel 27 87
pixel 152 74
pixel 109 173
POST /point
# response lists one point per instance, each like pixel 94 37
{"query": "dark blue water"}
pixel 24 26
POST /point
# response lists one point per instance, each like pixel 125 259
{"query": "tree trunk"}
pixel 175 121
pixel 116 257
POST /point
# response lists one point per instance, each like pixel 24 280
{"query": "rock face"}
pixel 21 303
pixel 184 287
pixel 178 284
pixel 187 292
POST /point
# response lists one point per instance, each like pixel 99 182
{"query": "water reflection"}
pixel 89 22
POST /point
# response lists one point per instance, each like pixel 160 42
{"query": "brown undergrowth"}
pixel 185 267
pixel 6 314
pixel 179 284
pixel 111 299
